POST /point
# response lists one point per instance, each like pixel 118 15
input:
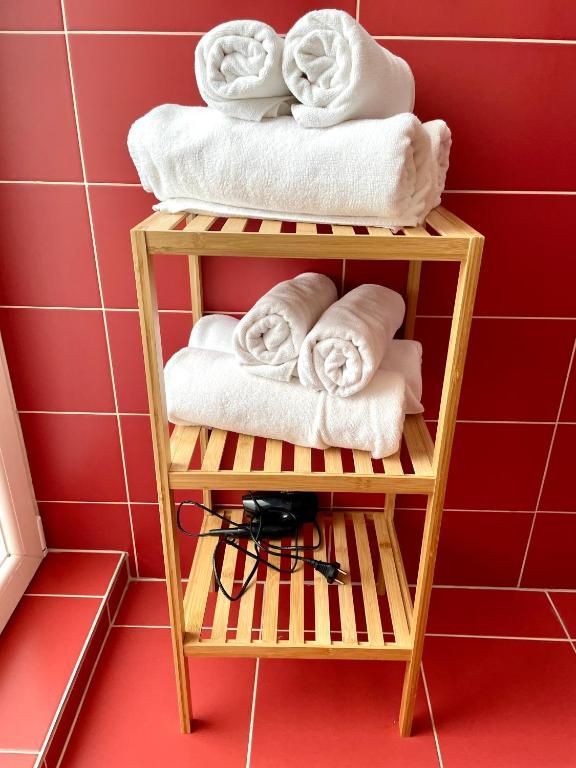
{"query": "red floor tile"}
pixel 87 526
pixel 503 703
pixel 17 761
pixel 58 359
pixel 486 18
pixel 38 650
pixel 57 250
pixel 74 573
pixel 115 210
pixel 179 15
pixel 500 127
pixel 349 716
pixel 74 457
pixel 145 603
pixel 510 613
pixel 544 291
pixel 483 548
pixel 122 77
pixel 559 493
pixel 32 14
pixel 127 357
pixel 39 133
pixel 512 456
pixel 565 603
pixel 552 553
pixel 234 285
pixel 130 717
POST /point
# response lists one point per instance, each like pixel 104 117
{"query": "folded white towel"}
pixel 347 345
pixel 339 72
pixel 368 172
pixel 239 70
pixel 404 356
pixel 211 389
pixel 268 338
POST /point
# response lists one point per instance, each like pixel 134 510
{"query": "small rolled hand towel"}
pixel 239 70
pixel 345 348
pixel 216 332
pixel 268 338
pixel 211 389
pixel 338 72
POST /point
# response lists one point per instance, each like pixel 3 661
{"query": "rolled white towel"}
pixel 338 72
pixel 404 356
pixel 268 338
pixel 369 172
pixel 211 389
pixel 345 348
pixel 239 70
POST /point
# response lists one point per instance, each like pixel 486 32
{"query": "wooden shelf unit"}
pixel 374 616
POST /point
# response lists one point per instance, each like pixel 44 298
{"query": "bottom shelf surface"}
pixel 299 614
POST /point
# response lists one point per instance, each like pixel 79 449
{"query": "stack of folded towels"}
pixel 350 152
pixel 302 367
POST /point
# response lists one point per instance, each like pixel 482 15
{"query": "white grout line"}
pixel 507 192
pixel 499 637
pixel 90 551
pixel 434 38
pixel 547 464
pixel 561 620
pixel 18 751
pixel 432 722
pixel 252 713
pixel 98 277
pixel 53 594
pixel 357 10
pixel 79 661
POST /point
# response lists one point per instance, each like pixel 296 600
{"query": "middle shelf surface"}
pixel 299 614
pixel 242 461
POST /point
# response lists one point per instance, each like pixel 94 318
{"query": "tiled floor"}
pixel 48 651
pixel 501 693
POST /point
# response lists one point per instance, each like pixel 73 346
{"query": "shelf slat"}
pixel 393 593
pixel 296 622
pixel 222 610
pixel 371 608
pixel 347 616
pixel 214 450
pixel 321 604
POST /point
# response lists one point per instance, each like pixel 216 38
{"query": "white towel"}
pixel 239 70
pixel 404 355
pixel 380 173
pixel 345 348
pixel 339 72
pixel 268 338
pixel 211 389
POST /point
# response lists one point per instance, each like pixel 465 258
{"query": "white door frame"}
pixel 21 525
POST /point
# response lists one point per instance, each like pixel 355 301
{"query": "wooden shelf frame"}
pixel 194 457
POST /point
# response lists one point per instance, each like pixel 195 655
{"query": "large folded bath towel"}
pixel 268 338
pixel 345 348
pixel 339 72
pixel 211 389
pixel 404 356
pixel 366 172
pixel 239 70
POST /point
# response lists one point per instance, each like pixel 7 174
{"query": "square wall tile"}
pixel 500 126
pixel 552 553
pixel 559 493
pixel 118 79
pixel 526 230
pixel 58 359
pixel 115 210
pixel 483 18
pixel 31 14
pixel 149 540
pixel 497 466
pixel 127 357
pixel 482 548
pixel 54 264
pixel 80 525
pixel 74 457
pixel 139 457
pixel 569 404
pixel 235 284
pixel 565 603
pixel 179 15
pixel 39 132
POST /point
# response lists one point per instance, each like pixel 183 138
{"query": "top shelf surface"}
pixel 444 237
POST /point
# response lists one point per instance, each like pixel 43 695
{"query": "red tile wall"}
pixel 71 85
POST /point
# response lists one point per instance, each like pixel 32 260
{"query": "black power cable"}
pixel 253 530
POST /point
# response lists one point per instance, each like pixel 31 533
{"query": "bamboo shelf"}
pixel 372 616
